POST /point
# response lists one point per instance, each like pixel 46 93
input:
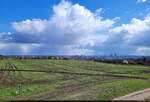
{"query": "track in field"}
pixel 72 73
pixel 10 75
pixel 9 78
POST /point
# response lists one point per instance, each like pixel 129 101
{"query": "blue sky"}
pixel 74 27
pixel 18 10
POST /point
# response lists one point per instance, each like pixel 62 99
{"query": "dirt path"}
pixel 84 74
pixel 138 95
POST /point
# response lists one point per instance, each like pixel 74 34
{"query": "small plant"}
pixel 16 93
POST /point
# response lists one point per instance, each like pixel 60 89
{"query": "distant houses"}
pixel 125 62
pixel 2 57
pixel 35 57
pixel 137 61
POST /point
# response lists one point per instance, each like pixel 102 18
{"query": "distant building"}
pixel 2 57
pixel 125 62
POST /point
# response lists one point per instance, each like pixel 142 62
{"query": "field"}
pixel 69 79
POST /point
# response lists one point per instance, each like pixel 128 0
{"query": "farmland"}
pixel 43 79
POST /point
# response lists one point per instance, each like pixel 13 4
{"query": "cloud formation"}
pixel 131 37
pixel 75 30
pixel 70 27
pixel 141 0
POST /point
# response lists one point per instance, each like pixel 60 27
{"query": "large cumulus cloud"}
pixel 69 25
pixel 75 30
pixel 130 38
pixel 68 30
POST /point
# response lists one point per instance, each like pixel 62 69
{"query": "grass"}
pixel 120 88
pixel 10 93
pixel 45 86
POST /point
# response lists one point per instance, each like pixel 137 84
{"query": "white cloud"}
pixel 75 30
pixel 2 46
pixel 143 50
pixel 18 48
pixel 30 27
pixel 98 11
pixel 141 0
pixel 25 49
pixel 70 25
pixel 134 32
pixel 71 50
pixel 130 36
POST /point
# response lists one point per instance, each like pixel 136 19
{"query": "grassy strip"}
pixel 77 66
pixel 111 90
pixel 12 93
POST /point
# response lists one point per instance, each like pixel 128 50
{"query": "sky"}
pixel 75 27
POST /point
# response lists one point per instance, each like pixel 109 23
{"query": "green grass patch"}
pixel 104 87
pixel 114 89
pixel 12 93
